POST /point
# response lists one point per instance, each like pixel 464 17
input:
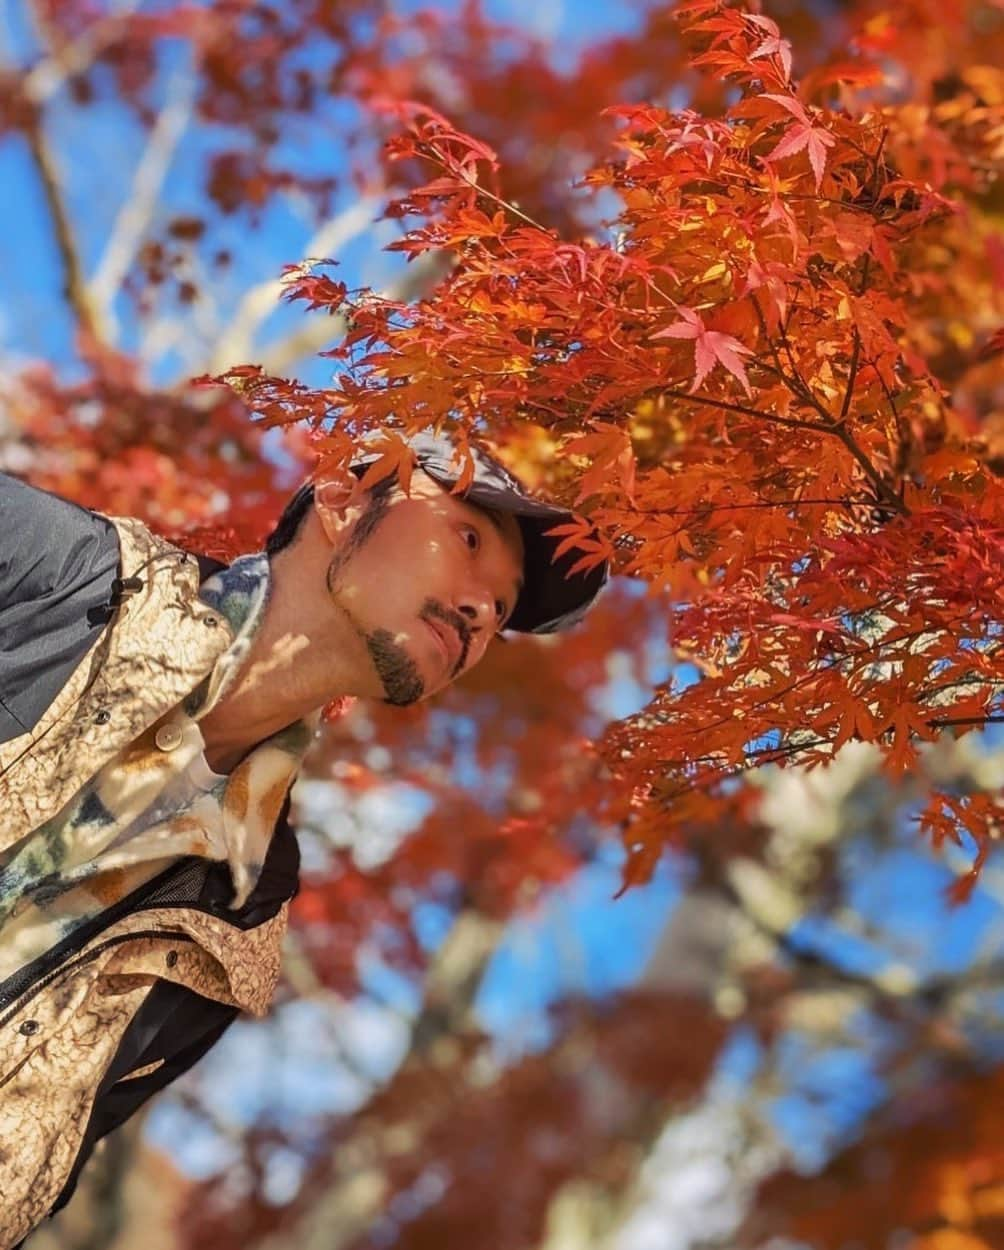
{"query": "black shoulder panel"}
pixel 57 565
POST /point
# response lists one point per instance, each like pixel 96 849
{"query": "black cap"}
pixel 549 601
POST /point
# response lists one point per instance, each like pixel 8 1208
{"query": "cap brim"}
pixel 550 600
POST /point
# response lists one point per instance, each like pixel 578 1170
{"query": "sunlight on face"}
pixel 428 587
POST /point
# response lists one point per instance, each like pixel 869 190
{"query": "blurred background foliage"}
pixel 790 1037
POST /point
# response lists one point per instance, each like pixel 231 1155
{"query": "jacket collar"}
pixel 238 592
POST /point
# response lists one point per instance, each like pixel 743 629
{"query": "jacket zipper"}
pixel 74 965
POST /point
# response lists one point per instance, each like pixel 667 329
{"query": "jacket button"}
pixel 171 958
pixel 168 737
pixel 27 1027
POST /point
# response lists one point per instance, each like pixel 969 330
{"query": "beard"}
pixel 398 673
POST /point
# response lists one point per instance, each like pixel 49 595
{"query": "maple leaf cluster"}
pixel 742 387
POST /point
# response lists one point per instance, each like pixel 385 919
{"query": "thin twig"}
pixel 966 720
pixel 852 375
pixel 791 422
pixel 707 509
pixel 321 331
pixel 236 345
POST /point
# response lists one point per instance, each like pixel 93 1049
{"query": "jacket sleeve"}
pixel 57 565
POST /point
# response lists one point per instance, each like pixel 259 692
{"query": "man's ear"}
pixel 337 502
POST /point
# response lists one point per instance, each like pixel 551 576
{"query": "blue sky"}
pixel 579 940
pixel 99 148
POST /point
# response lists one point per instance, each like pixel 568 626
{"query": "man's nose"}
pixel 477 606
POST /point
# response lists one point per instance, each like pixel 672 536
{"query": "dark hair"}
pixel 288 525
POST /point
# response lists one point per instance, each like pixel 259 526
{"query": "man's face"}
pixel 427 583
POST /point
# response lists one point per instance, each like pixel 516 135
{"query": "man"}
pixel 154 711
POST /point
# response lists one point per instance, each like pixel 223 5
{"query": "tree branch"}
pixel 42 82
pixel 74 285
pixel 852 374
pixel 358 1182
pixel 37 87
pixel 827 423
pixel 141 202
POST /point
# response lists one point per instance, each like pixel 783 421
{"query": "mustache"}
pixel 432 608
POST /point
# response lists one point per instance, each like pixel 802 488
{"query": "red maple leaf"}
pixel 711 347
pixel 773 45
pixel 803 134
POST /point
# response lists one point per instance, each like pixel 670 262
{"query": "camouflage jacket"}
pixel 127 945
